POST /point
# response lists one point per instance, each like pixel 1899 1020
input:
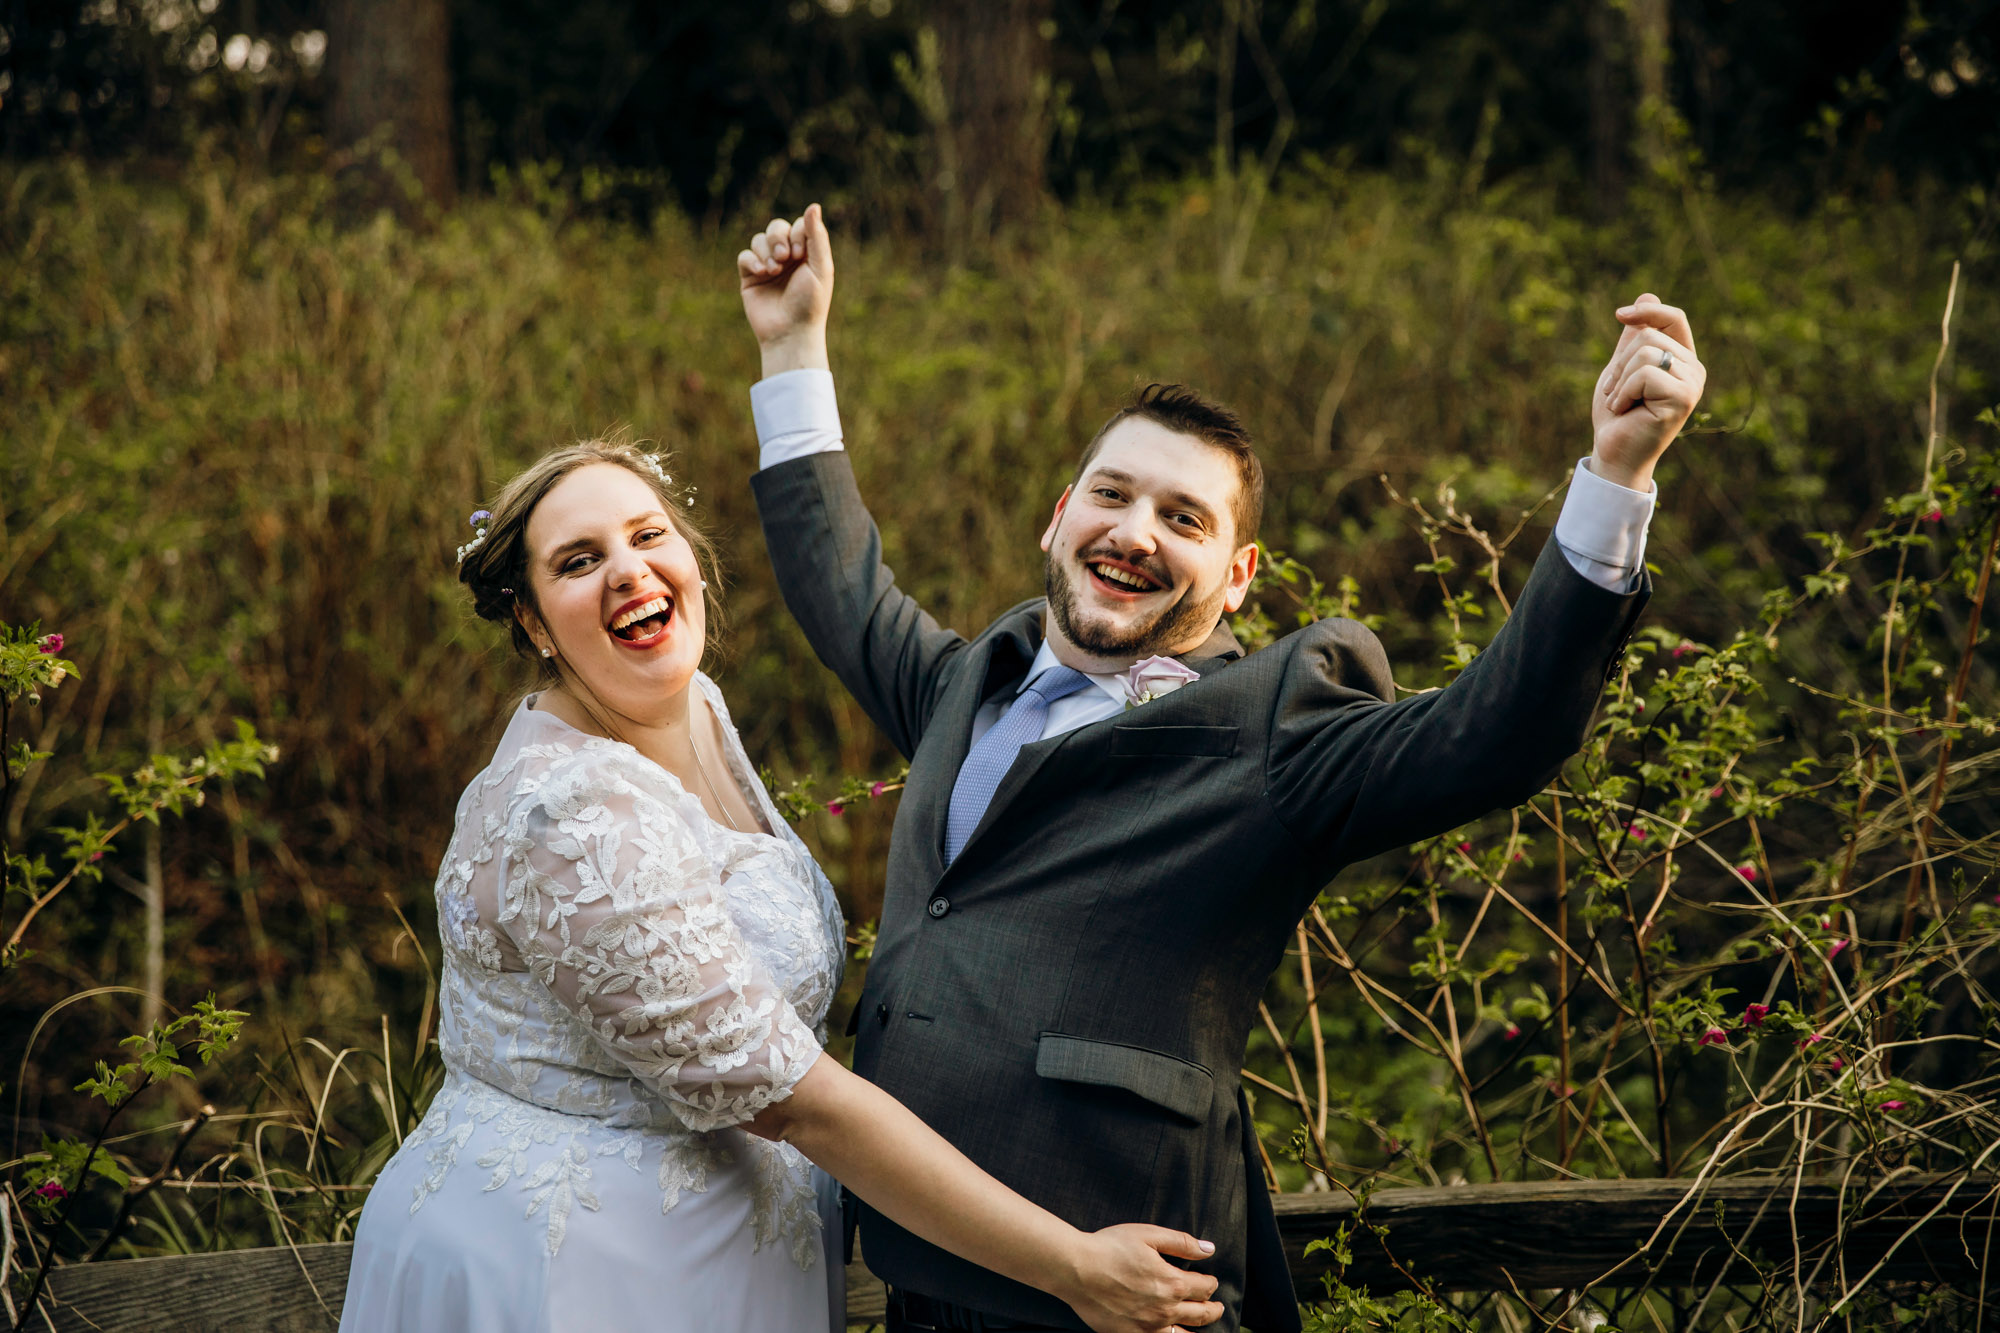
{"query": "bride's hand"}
pixel 1124 1286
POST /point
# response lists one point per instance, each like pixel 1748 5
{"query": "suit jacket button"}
pixel 882 1014
pixel 939 906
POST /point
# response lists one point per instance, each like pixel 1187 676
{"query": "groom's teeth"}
pixel 1112 574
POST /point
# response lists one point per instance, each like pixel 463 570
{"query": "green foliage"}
pixel 248 436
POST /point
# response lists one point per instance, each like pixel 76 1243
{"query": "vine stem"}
pixel 1958 687
pixel 45 1262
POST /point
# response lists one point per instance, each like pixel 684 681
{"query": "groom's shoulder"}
pixel 1338 653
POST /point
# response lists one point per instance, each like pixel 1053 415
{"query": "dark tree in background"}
pixel 993 126
pixel 388 66
pixel 971 112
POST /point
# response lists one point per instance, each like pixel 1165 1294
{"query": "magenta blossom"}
pixel 1893 1106
pixel 1714 792
pixel 1683 648
pixel 1637 830
pixel 1753 1015
pixel 1810 1040
pixel 1465 847
pixel 50 643
pixel 875 788
pixel 1836 1064
pixel 1934 516
pixel 1513 1031
pixel 835 808
pixel 1749 873
pixel 1833 949
pixel 51 1189
pixel 1714 1037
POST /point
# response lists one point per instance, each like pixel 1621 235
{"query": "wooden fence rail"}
pixel 1567 1234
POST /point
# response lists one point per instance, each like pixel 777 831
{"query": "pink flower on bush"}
pixel 835 808
pixel 1714 1037
pixel 50 644
pixel 1836 1064
pixel 1465 847
pixel 875 788
pixel 1748 873
pixel 1683 648
pixel 1893 1106
pixel 1637 830
pixel 1833 949
pixel 1934 516
pixel 1513 1031
pixel 1753 1015
pixel 51 1189
pixel 1714 792
pixel 1810 1040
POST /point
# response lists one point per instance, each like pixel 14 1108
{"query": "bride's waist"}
pixel 564 1090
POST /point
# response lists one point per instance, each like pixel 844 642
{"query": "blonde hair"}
pixel 496 569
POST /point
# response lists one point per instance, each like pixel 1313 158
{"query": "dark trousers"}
pixel 910 1312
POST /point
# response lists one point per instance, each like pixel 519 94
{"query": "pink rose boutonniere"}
pixel 1153 678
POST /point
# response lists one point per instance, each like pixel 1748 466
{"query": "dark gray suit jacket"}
pixel 1069 1001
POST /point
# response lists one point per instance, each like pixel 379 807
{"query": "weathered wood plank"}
pixel 1579 1233
pixel 1468 1238
pixel 258 1291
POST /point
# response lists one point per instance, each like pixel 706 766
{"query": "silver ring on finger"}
pixel 1666 359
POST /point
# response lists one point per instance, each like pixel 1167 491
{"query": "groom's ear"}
pixel 1055 519
pixel 1242 571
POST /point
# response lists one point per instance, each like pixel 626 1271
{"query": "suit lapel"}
pixel 1008 650
pixel 1014 645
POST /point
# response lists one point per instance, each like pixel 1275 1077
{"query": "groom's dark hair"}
pixel 1185 412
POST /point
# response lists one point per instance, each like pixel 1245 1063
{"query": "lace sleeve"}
pixel 615 909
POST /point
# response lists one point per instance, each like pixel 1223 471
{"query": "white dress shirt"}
pixel 1601 530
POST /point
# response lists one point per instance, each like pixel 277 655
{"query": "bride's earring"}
pixel 548 652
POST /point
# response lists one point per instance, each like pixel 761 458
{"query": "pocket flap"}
pixel 1181 1086
pixel 1136 740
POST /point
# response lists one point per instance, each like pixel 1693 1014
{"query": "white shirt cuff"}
pixel 1602 528
pixel 796 414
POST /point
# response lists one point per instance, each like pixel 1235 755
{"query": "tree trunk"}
pixel 993 61
pixel 1607 122
pixel 1650 33
pixel 389 66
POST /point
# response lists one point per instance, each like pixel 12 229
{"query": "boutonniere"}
pixel 1153 678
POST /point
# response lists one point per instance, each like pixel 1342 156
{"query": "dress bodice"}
pixel 616 963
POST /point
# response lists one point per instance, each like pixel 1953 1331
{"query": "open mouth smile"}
pixel 643 622
pixel 1120 579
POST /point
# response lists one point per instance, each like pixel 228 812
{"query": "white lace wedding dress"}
pixel 625 982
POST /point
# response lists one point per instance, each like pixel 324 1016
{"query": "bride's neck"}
pixel 665 737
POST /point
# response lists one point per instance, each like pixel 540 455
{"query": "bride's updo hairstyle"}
pixel 496 569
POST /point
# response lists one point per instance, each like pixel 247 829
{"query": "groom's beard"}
pixel 1177 622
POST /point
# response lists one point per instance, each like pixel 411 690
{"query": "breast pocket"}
pixel 1132 741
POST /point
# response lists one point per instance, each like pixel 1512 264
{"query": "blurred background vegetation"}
pixel 290 286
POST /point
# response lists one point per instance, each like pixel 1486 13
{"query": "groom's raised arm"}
pixel 824 547
pixel 1352 775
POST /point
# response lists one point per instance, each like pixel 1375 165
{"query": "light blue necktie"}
pixel 986 764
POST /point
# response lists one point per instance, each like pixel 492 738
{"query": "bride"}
pixel 638 959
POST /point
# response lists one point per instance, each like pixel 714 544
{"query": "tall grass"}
pixel 241 438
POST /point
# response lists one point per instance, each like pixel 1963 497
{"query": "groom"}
pixel 1086 896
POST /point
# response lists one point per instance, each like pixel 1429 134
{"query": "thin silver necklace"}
pixel 714 794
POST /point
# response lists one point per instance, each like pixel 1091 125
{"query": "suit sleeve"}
pixel 1352 774
pixel 827 554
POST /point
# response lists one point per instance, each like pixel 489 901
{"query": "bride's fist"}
pixel 786 275
pixel 1124 1285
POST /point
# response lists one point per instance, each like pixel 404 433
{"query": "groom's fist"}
pixel 1647 392
pixel 786 275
